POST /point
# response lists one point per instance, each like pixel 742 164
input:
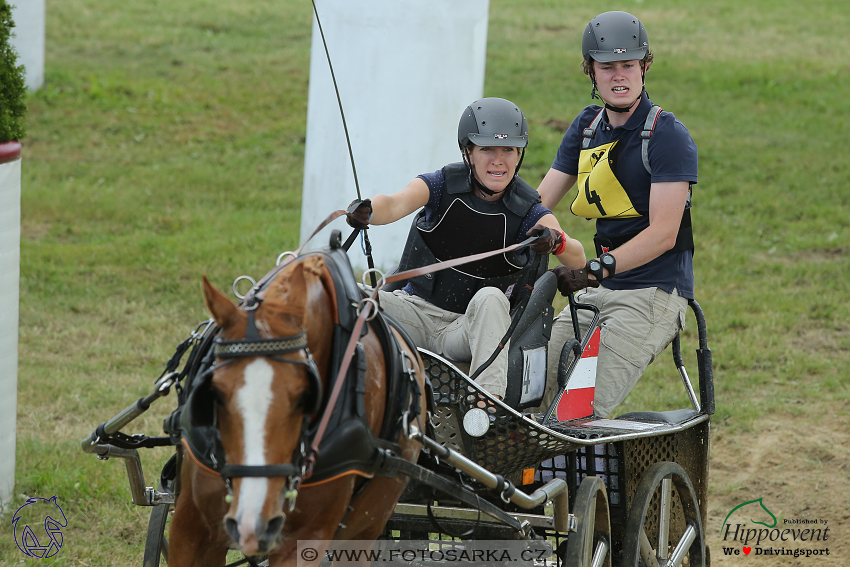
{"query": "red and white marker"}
pixel 577 400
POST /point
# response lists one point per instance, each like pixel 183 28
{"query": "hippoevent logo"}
pixel 751 528
pixel 39 512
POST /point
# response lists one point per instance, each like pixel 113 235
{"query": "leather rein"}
pixel 253 346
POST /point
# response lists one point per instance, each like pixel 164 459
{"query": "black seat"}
pixel 671 417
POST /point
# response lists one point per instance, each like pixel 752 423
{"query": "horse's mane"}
pixel 289 294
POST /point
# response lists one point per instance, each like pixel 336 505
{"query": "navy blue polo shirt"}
pixel 672 157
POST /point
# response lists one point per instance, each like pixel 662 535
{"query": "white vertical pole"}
pixel 10 245
pixel 406 70
pixel 28 16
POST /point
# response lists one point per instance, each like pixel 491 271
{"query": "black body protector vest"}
pixel 464 225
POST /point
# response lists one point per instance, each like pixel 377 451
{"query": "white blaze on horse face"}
pixel 253 401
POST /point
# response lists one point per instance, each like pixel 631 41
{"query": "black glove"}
pixel 358 213
pixel 570 281
pixel 548 241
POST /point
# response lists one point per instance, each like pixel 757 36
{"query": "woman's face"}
pixel 619 82
pixel 494 167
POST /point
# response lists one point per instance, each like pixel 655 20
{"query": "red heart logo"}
pixel 747 550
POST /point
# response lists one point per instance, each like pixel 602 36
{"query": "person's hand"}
pixel 570 281
pixel 548 241
pixel 358 213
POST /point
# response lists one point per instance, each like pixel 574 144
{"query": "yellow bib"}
pixel 600 195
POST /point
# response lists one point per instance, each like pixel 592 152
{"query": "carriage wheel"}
pixel 664 526
pixel 590 545
pixel 156 543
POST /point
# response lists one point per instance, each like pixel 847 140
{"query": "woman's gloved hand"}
pixel 358 213
pixel 550 241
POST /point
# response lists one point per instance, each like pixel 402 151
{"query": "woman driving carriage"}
pixel 474 206
pixel 635 166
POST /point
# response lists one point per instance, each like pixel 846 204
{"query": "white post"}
pixel 10 261
pixel 28 41
pixel 406 70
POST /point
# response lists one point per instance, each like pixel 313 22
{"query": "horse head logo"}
pixel 753 511
pixel 27 540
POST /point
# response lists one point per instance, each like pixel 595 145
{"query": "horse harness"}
pixel 348 445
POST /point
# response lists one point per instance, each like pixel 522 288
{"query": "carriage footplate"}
pixel 600 428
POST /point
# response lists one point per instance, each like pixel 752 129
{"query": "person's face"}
pixel 494 167
pixel 619 82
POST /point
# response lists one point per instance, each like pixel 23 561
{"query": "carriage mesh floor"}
pixel 514 441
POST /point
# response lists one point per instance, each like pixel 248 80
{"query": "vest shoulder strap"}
pixel 590 131
pixel 646 134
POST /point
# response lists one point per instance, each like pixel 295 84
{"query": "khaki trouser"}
pixel 469 337
pixel 635 327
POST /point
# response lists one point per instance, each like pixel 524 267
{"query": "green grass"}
pixel 168 142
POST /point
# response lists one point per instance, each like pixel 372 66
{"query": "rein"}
pixel 366 307
pixel 253 345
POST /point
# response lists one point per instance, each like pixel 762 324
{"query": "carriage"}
pixel 628 491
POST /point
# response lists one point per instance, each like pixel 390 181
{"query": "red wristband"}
pixel 563 245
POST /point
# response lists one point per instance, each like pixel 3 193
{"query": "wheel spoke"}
pixel 646 551
pixel 664 518
pixel 683 546
pixel 664 494
pixel 600 554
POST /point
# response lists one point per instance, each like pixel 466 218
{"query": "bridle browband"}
pixel 261 347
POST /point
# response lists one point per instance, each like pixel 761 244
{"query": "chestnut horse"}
pixel 260 405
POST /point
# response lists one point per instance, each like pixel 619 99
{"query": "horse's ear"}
pixel 220 307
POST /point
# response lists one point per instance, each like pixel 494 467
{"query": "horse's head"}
pixel 266 384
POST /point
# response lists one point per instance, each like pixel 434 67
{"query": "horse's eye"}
pixel 307 400
pixel 217 395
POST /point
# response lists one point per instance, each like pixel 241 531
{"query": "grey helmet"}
pixel 492 122
pixel 614 36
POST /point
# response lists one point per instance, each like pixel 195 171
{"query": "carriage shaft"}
pixel 551 490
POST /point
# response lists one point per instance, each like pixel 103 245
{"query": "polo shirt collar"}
pixel 638 117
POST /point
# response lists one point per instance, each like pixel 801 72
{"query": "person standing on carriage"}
pixel 635 166
pixel 474 206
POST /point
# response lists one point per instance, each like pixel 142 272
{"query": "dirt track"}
pixel 800 468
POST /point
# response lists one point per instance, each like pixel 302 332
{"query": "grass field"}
pixel 168 142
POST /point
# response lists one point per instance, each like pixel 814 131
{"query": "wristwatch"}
pixel 609 263
pixel 594 267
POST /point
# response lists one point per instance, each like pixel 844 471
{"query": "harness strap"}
pixel 263 471
pixel 590 131
pixel 646 134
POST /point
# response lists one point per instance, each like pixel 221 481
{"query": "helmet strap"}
pixel 622 110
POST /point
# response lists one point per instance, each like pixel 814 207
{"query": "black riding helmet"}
pixel 493 122
pixel 614 36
